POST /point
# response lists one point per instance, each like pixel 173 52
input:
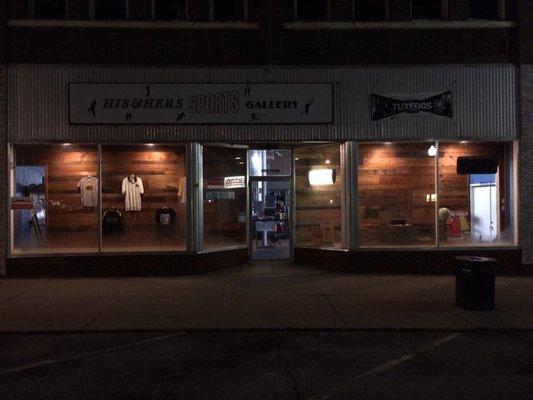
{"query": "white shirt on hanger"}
pixel 132 188
pixel 88 187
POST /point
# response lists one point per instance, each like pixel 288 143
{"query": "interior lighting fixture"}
pixel 325 176
pixel 328 161
pixel 150 145
pixel 432 151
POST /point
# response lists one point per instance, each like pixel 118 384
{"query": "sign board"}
pixel 223 103
pixel 21 203
pixel 234 182
pixel 387 107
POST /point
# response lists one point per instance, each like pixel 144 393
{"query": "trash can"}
pixel 475 283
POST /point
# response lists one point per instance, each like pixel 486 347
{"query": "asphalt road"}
pixel 299 365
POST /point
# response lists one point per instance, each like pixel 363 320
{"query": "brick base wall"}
pixel 406 262
pixel 126 265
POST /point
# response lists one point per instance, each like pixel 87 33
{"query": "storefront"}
pixel 144 170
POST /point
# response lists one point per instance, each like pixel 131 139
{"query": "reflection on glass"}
pixel 271 202
pixel 396 194
pixel 55 199
pixel 318 196
pixel 270 162
pixel 224 196
pixel 143 198
pixel 475 209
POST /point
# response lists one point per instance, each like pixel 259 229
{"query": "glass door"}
pixel 270 208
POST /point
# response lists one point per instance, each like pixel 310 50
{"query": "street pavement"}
pixel 262 296
pixel 300 365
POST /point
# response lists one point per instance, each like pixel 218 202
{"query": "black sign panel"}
pixel 477 165
pixel 386 107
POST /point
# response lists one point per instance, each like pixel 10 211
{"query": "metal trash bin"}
pixel 475 279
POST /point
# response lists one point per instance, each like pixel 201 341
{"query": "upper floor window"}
pixel 484 9
pixel 110 9
pixel 227 10
pixel 169 10
pixel 49 9
pixel 312 10
pixel 426 9
pixel 369 10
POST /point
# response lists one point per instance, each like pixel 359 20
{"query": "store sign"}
pixel 170 103
pixel 234 182
pixel 386 107
pixel 21 203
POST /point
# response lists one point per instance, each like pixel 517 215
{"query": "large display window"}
pixel 397 199
pixel 54 191
pixel 318 207
pixel 143 198
pixel 225 194
pixel 476 193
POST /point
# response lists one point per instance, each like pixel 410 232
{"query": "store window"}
pixel 318 196
pixel 49 9
pixel 270 162
pixel 110 9
pixel 369 10
pixel 484 9
pixel 312 10
pixel 426 9
pixel 227 10
pixel 169 10
pixel 143 198
pixel 225 193
pixel 397 197
pixel 54 199
pixel 476 193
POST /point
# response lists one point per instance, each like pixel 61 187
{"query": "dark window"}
pixel 312 10
pixel 49 9
pixel 228 10
pixel 109 9
pixel 427 9
pixel 484 9
pixel 369 10
pixel 169 10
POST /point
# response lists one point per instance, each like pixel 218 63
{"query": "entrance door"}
pixel 270 218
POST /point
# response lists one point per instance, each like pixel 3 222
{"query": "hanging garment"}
pixel 111 221
pixel 182 189
pixel 132 188
pixel 455 227
pixel 165 217
pixel 88 187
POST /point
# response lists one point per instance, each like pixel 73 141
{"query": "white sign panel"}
pixel 233 182
pixel 170 103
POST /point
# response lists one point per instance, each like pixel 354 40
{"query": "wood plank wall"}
pixel 318 208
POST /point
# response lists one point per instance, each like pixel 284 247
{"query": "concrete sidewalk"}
pixel 257 297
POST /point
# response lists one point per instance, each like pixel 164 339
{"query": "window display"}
pixel 475 196
pixel 397 194
pixel 61 214
pixel 140 187
pixel 225 196
pixel 319 184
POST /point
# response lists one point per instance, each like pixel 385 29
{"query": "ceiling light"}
pixel 432 151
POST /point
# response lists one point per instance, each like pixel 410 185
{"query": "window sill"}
pixel 417 24
pixel 35 23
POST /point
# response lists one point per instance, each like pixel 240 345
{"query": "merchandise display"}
pixel 182 190
pixel 132 188
pixel 88 187
pixel 165 217
pixel 111 221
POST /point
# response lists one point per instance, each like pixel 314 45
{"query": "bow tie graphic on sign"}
pixel 386 107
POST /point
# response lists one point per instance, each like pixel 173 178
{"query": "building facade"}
pixel 164 137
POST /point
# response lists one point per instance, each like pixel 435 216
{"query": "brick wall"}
pixel 3 169
pixel 526 162
pixel 405 262
pixel 126 265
